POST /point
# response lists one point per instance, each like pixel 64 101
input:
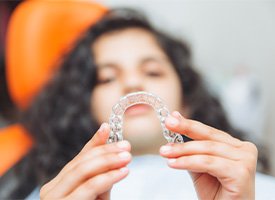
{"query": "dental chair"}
pixel 39 33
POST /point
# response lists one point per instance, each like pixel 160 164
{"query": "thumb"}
pixel 99 138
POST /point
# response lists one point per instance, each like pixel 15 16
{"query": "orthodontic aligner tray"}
pixel 116 117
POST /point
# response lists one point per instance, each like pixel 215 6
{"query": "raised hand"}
pixel 222 167
pixel 92 173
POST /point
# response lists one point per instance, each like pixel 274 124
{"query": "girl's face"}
pixel 131 60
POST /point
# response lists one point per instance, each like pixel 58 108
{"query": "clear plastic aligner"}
pixel 116 118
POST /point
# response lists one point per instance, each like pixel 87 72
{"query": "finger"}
pixel 97 151
pixel 107 148
pixel 197 130
pixel 46 188
pixel 98 185
pixel 203 147
pixel 88 169
pixel 215 166
pixel 99 138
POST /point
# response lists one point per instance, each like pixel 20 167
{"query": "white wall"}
pixel 225 36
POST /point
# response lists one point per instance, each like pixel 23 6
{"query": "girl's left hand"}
pixel 221 166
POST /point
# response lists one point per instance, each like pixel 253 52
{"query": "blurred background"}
pixel 233 45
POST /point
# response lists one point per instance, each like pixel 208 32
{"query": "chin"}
pixel 143 133
pixel 141 125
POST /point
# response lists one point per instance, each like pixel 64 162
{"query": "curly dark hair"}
pixel 60 120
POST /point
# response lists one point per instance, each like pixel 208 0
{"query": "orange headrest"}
pixel 14 144
pixel 39 33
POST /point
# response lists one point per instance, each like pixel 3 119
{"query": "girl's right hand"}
pixel 92 173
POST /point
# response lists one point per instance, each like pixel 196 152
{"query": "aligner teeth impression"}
pixel 116 118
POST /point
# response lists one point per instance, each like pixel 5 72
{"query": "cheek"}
pixel 176 95
pixel 102 102
pixel 170 91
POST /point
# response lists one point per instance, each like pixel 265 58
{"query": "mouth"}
pixel 138 109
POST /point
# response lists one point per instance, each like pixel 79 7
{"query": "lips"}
pixel 138 109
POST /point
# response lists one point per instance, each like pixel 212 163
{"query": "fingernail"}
pixel 177 114
pixel 123 145
pixel 124 170
pixel 165 149
pixel 124 155
pixel 172 121
pixel 103 127
pixel 172 160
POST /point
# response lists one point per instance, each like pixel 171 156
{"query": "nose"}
pixel 132 82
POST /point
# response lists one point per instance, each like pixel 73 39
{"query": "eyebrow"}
pixel 142 62
pixel 107 65
pixel 161 60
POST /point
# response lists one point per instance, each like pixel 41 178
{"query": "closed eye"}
pixel 105 81
pixel 154 74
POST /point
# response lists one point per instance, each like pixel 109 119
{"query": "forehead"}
pixel 130 43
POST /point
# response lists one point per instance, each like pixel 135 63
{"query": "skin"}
pixel 222 167
pixel 137 64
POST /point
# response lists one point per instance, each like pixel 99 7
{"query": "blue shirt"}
pixel 151 178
